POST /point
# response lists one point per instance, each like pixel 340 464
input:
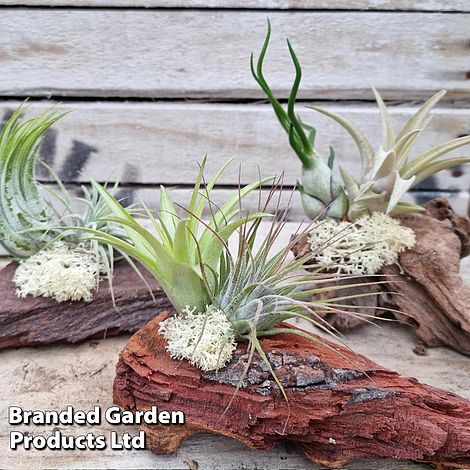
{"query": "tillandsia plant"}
pixel 360 208
pixel 54 260
pixel 219 298
pixel 322 195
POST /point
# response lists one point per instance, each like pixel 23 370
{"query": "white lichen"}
pixel 360 247
pixel 206 340
pixel 62 271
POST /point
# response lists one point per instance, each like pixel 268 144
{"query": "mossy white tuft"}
pixel 361 247
pixel 63 272
pixel 206 339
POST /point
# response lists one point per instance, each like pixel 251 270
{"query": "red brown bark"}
pixel 341 407
pixel 37 320
pixel 427 285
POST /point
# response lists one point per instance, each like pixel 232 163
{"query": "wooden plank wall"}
pixel 154 85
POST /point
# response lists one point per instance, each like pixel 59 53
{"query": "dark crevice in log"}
pixel 37 320
pixel 427 285
pixel 342 407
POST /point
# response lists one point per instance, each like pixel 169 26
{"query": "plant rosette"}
pixel 229 360
pixel 56 271
pixel 386 176
pixel 54 259
pixel 222 297
pixel 361 225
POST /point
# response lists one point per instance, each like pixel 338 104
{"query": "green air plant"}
pixel 321 194
pixel 387 174
pixel 364 237
pixel 220 296
pixel 55 260
pixel 25 216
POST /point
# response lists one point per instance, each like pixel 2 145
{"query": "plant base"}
pixel 428 287
pixel 341 406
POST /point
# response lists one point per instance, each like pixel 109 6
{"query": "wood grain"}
pixel 460 200
pixel 410 5
pixel 160 143
pixel 204 53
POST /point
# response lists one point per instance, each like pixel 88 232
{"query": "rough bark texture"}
pixel 37 320
pixel 341 406
pixel 429 289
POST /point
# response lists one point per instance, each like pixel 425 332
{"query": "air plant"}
pixel 55 260
pixel 321 194
pixel 387 174
pixel 25 217
pixel 220 298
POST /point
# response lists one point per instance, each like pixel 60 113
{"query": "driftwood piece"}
pixel 429 289
pixel 341 407
pixel 37 320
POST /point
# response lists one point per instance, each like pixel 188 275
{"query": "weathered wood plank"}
pixel 150 196
pixel 198 53
pixel 409 5
pixel 159 143
pixel 464 267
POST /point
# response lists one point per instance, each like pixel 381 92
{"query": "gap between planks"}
pixel 432 6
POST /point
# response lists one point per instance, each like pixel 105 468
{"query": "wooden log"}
pixel 431 291
pixel 426 286
pixel 38 321
pixel 342 406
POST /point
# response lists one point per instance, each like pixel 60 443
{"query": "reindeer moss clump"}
pixel 360 247
pixel 206 340
pixel 63 272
